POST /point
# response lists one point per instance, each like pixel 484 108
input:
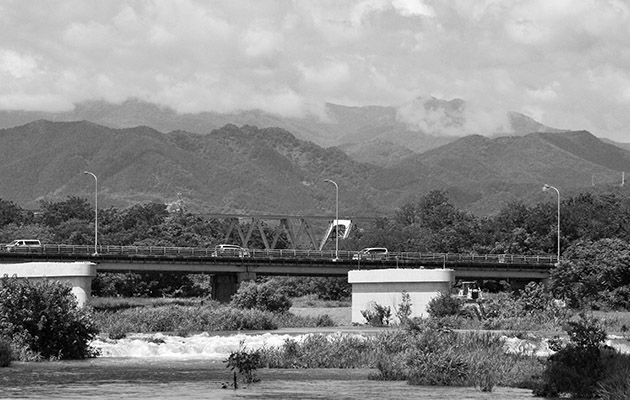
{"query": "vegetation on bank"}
pixel 42 321
pixel 582 366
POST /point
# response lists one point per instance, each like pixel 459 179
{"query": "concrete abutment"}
pixel 385 287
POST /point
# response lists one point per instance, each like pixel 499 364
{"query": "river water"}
pixel 170 367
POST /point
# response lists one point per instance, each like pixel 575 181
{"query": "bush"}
pixel 246 362
pixel 445 358
pixel 577 366
pixel 322 351
pixel 264 296
pixel 44 320
pixel 403 312
pixel 377 315
pixel 445 305
pixel 616 382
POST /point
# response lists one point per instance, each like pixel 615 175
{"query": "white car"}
pixel 27 244
pixel 371 253
pixel 229 250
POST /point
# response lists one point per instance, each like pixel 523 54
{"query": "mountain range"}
pixel 377 135
pixel 248 169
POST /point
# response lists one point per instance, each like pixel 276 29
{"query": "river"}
pixel 171 367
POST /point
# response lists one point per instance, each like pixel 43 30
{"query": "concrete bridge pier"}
pixel 77 274
pixel 224 286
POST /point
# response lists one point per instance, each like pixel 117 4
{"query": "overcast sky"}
pixel 564 63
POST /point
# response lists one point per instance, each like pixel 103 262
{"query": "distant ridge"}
pixel 354 129
pixel 268 170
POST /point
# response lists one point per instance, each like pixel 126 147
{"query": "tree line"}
pixel 431 224
pixel 595 267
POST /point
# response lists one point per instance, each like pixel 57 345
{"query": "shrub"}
pixel 445 305
pixel 322 351
pixel 246 362
pixel 577 366
pixel 376 314
pixel 265 296
pixel 404 309
pixel 616 382
pixel 43 319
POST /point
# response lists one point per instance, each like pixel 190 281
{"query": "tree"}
pixel 72 208
pixel 596 273
pixel 10 213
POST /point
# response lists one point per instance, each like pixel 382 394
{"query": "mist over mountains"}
pixel 275 170
pixel 372 134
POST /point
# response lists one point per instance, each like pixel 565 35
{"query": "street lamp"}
pixel 546 188
pixel 95 211
pixel 336 217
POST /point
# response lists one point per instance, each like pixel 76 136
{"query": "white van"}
pixel 371 253
pixel 27 244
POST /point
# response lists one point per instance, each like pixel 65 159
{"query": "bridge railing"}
pixel 205 252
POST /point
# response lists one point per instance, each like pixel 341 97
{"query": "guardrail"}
pixel 203 252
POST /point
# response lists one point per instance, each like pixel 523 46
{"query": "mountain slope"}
pixel 231 169
pixel 482 173
pixel 338 125
pixel 270 171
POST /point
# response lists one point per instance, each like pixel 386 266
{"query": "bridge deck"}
pixel 282 262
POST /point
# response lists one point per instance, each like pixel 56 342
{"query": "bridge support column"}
pixel 78 275
pixel 224 286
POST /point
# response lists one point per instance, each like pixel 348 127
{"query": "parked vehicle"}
pixel 229 250
pixel 26 244
pixel 470 291
pixel 371 253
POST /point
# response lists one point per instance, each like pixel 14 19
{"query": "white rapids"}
pixel 219 347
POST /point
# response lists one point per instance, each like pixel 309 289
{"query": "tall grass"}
pixel 428 357
pixel 117 317
pixel 322 351
pixel 181 320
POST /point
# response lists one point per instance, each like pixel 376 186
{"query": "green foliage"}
pixel 403 312
pixel 183 319
pixel 445 305
pixel 245 362
pixel 322 351
pixel 5 352
pixel 445 358
pixel 326 288
pixel 266 296
pixel 151 284
pixel 576 367
pixel 10 213
pixel 615 384
pixel 43 319
pixel 596 274
pixel 54 214
pixel 376 314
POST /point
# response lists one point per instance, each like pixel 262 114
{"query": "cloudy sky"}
pixel 564 63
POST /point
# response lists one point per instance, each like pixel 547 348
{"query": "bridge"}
pixel 228 271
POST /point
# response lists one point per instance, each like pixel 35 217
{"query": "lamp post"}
pixel 95 211
pixel 336 217
pixel 546 188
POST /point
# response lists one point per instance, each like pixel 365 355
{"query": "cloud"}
pixel 563 62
